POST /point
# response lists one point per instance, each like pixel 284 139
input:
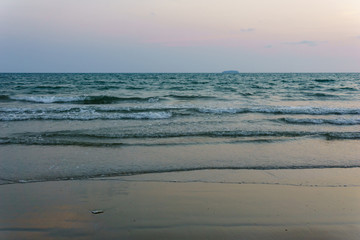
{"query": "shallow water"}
pixel 63 126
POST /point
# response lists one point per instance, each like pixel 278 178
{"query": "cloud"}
pixel 247 29
pixel 358 37
pixel 306 42
pixel 268 46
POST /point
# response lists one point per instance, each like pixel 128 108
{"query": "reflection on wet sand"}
pixel 172 210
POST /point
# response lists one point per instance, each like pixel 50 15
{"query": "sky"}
pixel 179 35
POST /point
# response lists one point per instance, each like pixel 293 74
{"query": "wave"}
pixel 307 110
pixel 190 97
pixel 59 142
pixel 342 135
pixel 320 95
pixel 324 80
pixel 101 99
pixel 68 112
pixel 102 141
pixel 86 116
pixel 129 172
pixel 354 121
pixel 350 88
pixel 4 98
pixel 51 87
pixel 238 134
pixel 83 113
pixel 90 138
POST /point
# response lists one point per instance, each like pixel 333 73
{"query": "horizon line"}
pixel 164 72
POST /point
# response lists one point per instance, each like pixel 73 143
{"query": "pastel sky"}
pixel 179 35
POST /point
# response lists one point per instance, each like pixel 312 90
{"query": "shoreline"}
pixel 311 177
pixel 136 207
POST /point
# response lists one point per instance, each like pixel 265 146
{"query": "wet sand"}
pixel 135 208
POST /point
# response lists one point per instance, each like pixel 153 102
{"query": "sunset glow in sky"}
pixel 179 35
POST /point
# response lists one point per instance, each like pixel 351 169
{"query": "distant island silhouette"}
pixel 230 71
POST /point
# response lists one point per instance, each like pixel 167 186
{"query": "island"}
pixel 230 72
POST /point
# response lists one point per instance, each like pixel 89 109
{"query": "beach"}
pixel 145 207
pixel 180 120
pixel 179 156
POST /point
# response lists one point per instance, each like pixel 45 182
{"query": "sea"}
pixel 61 126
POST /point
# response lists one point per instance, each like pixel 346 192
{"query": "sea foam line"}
pixel 85 116
pixel 111 137
pixel 306 110
pixel 129 172
pixel 342 121
pixel 309 110
pixel 98 99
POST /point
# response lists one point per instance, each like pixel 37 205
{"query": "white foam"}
pixel 83 114
pixel 153 100
pixel 342 121
pixel 283 110
pixel 46 99
pixel 222 110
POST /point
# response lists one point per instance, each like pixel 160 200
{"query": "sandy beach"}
pixel 180 120
pixel 141 207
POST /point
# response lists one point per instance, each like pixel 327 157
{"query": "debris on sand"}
pixel 97 211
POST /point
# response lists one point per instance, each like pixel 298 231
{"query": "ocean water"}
pixel 66 126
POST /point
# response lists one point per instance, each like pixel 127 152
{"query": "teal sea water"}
pixel 64 126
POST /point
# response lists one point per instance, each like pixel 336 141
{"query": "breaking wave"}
pixel 128 172
pixel 308 110
pixel 167 111
pixel 341 121
pixel 90 138
pixel 101 99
